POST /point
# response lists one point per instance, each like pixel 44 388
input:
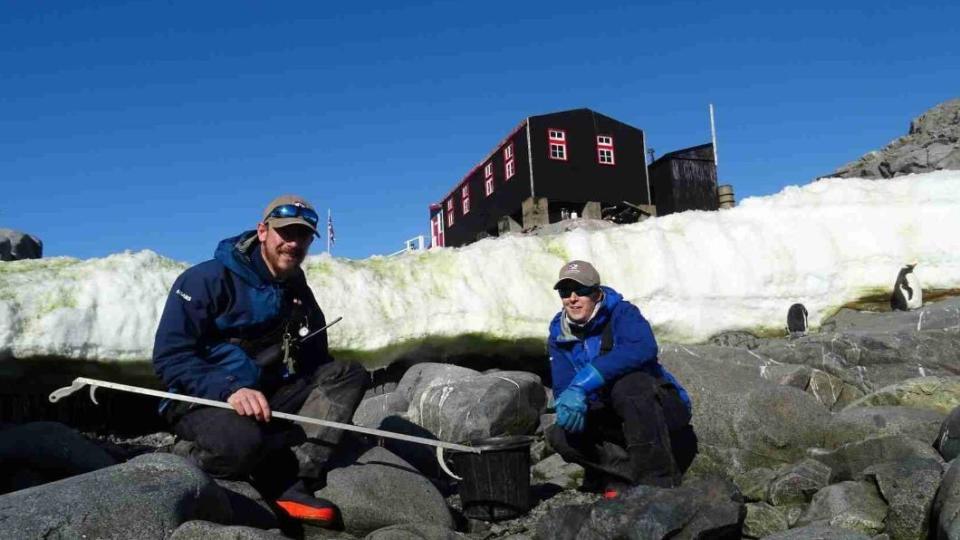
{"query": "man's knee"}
pixel 633 388
pixel 232 449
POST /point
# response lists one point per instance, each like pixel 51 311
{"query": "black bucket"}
pixel 496 482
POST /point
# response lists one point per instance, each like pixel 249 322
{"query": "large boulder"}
pixel 415 531
pixel 742 420
pixel 206 530
pixel 941 394
pixel 147 497
pixel 40 452
pixel 948 438
pixel 859 423
pixel 909 487
pixel 702 508
pixel 850 505
pixel 945 513
pixel 819 532
pixel 932 143
pixel 849 461
pixel 380 490
pixel 478 407
pixel 16 245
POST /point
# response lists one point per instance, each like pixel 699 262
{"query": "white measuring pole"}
pixel 713 137
pixel 80 382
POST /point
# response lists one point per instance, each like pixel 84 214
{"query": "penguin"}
pixel 907 293
pixel 797 320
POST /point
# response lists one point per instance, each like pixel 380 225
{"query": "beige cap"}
pixel 294 200
pixel 580 271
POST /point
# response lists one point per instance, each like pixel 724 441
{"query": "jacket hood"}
pixel 235 252
pixel 560 327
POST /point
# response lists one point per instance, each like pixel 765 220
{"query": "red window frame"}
pixel 465 197
pixel 557 140
pixel 605 148
pixel 509 167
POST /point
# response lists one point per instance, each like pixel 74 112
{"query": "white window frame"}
pixel 605 153
pixel 488 185
pixel 465 196
pixel 508 152
pixel 557 146
pixel 488 170
pixel 509 169
pixel 449 212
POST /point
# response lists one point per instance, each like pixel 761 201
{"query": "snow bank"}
pixel 693 274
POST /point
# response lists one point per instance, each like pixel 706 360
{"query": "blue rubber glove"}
pixel 572 403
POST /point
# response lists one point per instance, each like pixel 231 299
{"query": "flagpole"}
pixel 329 217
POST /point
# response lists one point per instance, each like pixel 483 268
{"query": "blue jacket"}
pixel 214 305
pixel 634 347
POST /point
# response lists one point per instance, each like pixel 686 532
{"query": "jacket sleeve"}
pixel 180 356
pixel 633 344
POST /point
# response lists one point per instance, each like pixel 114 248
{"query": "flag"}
pixel 330 237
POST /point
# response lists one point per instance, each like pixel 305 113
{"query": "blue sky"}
pixel 169 125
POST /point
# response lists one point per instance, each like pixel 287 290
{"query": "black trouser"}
pixel 228 445
pixel 639 433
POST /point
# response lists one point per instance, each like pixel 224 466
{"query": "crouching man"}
pixel 620 414
pixel 219 318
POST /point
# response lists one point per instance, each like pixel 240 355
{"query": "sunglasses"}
pixel 293 210
pixel 582 290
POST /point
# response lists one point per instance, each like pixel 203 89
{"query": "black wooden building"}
pixel 685 180
pixel 550 166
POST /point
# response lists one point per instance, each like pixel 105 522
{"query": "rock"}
pixel 743 421
pixel 40 452
pixel 849 461
pixel 16 245
pixel 946 505
pixel 415 531
pixel 703 508
pixel 247 505
pixel 502 403
pixel 373 410
pixel 931 144
pixel 819 532
pixel 941 315
pixel 763 520
pixel 859 423
pixel 827 389
pixel 849 505
pixel 909 487
pixel 797 483
pixel 205 530
pixel 948 438
pixel 755 483
pixel 147 497
pixel 381 490
pixel 554 470
pixel 941 394
pixel 424 375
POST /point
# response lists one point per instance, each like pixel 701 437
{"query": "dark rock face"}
pixel 948 438
pixel 381 490
pixel 946 506
pixel 932 143
pixel 15 245
pixel 205 530
pixel 909 487
pixel 40 452
pixel 704 508
pixel 147 497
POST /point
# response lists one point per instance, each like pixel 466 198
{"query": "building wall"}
pixel 485 211
pixel 685 180
pixel 581 177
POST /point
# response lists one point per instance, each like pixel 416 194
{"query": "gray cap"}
pixel 580 271
pixel 294 200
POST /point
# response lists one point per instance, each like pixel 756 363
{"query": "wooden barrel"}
pixel 725 196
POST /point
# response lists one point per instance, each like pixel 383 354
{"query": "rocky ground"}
pixel 849 432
